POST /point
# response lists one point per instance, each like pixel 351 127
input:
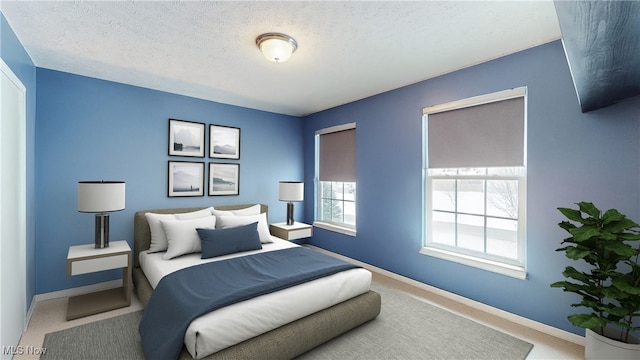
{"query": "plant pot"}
pixel 598 347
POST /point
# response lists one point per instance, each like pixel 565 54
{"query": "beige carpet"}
pixel 408 328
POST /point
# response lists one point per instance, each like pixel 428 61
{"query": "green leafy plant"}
pixel 611 285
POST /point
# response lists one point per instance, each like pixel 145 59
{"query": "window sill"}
pixel 335 228
pixel 493 266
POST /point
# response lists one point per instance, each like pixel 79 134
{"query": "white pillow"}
pixel 195 214
pixel 158 237
pixel 182 236
pixel 234 221
pixel 251 210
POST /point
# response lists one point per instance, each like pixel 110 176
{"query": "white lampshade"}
pixel 101 196
pixel 291 191
pixel 276 47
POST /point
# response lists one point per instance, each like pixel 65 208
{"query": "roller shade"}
pixel 338 156
pixel 484 135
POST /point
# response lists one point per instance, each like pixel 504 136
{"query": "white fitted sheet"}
pixel 233 324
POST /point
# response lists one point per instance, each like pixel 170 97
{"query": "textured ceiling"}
pixel 347 50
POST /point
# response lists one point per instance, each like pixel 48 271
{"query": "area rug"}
pixel 406 328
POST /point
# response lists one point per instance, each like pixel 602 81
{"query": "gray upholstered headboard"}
pixel 142 233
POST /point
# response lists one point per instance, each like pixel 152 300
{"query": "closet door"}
pixel 12 207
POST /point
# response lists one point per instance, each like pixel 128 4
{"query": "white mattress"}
pixel 228 326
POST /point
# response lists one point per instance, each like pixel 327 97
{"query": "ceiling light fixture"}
pixel 276 47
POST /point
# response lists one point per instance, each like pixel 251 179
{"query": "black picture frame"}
pixel 224 179
pixel 186 138
pixel 185 178
pixel 224 142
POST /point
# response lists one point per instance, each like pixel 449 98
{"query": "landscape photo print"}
pixel 224 179
pixel 186 138
pixel 186 178
pixel 224 142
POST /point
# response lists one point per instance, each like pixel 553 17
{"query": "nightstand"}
pixel 84 259
pixel 291 232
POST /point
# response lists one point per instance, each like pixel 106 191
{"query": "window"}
pixel 338 202
pixel 475 183
pixel 336 179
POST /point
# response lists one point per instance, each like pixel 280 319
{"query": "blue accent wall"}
pixel 14 55
pixel 90 129
pixel 571 157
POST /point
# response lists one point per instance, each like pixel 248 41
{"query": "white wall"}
pixel 12 209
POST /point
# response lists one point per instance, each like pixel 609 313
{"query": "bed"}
pixel 305 329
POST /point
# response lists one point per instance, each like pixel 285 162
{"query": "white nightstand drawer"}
pixel 99 264
pixel 291 232
pixel 299 234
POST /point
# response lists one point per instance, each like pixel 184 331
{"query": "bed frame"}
pixel 285 342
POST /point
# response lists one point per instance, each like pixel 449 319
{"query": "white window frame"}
pixel 510 267
pixel 339 227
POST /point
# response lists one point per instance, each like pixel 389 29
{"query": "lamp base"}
pixel 102 230
pixel 290 213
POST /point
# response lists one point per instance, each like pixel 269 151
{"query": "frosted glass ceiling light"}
pixel 276 47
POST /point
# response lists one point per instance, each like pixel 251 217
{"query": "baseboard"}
pixel 517 319
pixel 27 318
pixel 76 291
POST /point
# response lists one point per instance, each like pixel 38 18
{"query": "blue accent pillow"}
pixel 218 242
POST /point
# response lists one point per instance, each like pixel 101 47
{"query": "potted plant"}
pixel 609 284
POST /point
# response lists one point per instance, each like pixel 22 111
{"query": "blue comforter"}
pixel 184 295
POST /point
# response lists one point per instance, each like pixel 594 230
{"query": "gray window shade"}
pixel 338 156
pixel 485 135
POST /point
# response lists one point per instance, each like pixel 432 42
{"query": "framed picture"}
pixel 186 178
pixel 186 138
pixel 224 142
pixel 224 179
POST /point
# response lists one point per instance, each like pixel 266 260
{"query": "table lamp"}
pixel 291 191
pixel 101 197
